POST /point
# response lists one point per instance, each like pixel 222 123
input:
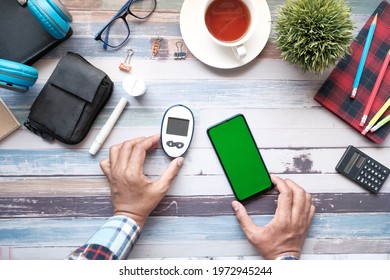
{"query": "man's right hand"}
pixel 133 194
pixel 285 234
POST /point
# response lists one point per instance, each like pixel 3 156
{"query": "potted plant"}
pixel 313 34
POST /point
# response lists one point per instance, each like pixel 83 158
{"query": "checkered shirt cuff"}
pixel 119 234
pixel 114 240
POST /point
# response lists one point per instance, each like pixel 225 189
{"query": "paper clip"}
pixel 180 54
pixel 125 65
pixel 156 45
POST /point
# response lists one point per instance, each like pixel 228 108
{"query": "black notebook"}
pixel 22 38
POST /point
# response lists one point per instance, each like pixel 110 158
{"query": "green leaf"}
pixel 314 34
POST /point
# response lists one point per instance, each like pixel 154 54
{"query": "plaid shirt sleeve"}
pixel 113 241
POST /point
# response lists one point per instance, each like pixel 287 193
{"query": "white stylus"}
pixel 106 129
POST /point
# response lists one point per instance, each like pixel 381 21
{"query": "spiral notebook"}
pixel 335 92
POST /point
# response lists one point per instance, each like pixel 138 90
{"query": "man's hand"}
pixel 132 193
pixel 285 234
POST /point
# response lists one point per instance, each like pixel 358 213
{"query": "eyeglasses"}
pixel 118 25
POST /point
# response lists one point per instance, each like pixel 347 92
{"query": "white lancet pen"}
pixel 106 129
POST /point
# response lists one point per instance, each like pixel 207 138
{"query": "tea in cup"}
pixel 231 23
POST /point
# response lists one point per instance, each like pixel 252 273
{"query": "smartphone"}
pixel 240 158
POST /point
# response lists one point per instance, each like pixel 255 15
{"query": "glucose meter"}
pixel 177 129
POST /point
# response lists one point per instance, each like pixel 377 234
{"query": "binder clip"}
pixel 180 54
pixel 156 45
pixel 125 65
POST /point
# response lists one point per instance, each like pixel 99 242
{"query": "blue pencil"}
pixel 364 57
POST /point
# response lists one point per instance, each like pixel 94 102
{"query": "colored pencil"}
pixel 376 117
pixel 380 124
pixel 375 89
pixel 364 56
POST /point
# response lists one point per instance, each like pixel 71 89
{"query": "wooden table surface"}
pixel 53 197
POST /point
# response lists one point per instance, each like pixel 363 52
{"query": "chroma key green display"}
pixel 240 158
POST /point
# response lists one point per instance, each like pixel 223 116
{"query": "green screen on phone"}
pixel 240 158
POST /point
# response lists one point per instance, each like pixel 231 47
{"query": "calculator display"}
pixel 360 161
pixel 356 160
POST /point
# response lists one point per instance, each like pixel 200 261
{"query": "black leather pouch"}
pixel 70 101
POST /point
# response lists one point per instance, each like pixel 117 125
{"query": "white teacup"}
pixel 223 21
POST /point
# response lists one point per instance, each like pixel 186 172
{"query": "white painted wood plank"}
pixel 183 185
pixel 265 138
pixel 280 128
pixel 70 162
pixel 249 94
pixel 190 70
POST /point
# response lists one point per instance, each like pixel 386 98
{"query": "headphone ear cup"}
pixel 16 75
pixel 51 21
pixel 61 10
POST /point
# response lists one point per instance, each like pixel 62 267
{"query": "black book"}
pixel 22 38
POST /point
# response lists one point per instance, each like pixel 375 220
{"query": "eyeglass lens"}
pixel 142 8
pixel 118 31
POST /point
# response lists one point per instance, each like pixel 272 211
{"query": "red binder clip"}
pixel 125 66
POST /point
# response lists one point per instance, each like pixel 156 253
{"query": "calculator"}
pixel 363 169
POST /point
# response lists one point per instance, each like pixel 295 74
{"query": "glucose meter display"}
pixel 177 126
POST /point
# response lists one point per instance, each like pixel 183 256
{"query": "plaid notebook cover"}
pixel 335 92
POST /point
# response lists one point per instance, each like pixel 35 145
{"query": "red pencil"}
pixel 375 89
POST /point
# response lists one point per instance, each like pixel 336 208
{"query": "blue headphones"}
pixel 55 19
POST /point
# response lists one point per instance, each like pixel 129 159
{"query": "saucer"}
pixel 203 48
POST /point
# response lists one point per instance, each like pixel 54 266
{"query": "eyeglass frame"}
pixel 121 14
